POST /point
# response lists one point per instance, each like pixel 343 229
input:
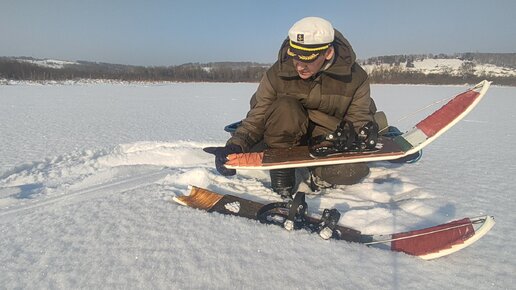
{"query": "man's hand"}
pixel 221 154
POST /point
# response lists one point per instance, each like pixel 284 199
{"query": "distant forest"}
pixel 13 69
pixel 23 69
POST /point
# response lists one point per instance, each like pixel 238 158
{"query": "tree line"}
pixel 14 69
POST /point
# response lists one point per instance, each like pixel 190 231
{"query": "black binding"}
pixel 345 139
pixel 293 216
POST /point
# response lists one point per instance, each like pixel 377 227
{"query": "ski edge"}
pixel 314 163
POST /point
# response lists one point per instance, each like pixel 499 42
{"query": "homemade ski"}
pixel 387 148
pixel 428 243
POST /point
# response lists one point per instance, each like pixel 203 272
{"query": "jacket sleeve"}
pixel 252 128
pixel 362 107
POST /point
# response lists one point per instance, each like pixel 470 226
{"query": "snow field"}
pixel 88 173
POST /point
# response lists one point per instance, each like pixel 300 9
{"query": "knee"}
pixel 287 112
pixel 286 122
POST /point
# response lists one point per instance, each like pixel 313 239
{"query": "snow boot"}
pixel 283 181
pixel 341 174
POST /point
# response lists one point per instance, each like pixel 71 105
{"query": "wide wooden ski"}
pixel 422 134
pixel 428 243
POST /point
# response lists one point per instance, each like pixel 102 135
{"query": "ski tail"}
pixel 245 159
pixel 210 201
pixel 199 198
pixel 428 129
pixel 440 240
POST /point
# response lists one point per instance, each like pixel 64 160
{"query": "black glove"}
pixel 221 154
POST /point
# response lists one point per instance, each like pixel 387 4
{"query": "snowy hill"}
pixel 442 69
pixel 455 67
pixel 87 172
pixel 46 63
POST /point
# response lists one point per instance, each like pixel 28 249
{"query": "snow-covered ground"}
pixel 87 173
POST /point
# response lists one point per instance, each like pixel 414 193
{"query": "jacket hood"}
pixel 344 58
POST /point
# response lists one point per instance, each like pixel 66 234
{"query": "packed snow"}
pixel 88 173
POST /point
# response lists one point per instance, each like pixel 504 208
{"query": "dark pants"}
pixel 287 125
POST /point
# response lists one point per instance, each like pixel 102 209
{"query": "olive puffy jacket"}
pixel 340 91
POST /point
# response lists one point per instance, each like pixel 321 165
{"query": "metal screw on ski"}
pixel 341 140
pixel 368 136
pixel 297 211
pixel 329 221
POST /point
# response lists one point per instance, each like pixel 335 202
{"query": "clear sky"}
pixel 156 32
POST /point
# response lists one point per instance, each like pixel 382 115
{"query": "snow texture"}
pixel 88 172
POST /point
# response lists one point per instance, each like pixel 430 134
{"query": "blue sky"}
pixel 176 32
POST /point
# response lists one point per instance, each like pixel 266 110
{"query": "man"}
pixel 314 85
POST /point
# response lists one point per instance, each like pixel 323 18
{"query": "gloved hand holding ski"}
pixel 221 157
